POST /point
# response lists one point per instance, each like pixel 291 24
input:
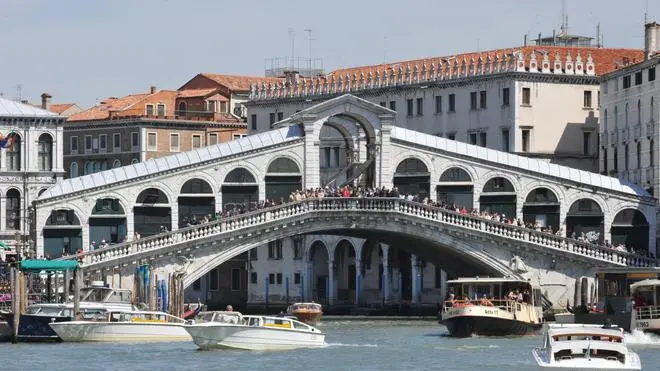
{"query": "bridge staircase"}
pixel 349 173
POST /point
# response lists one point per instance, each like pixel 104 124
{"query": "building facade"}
pixel 30 162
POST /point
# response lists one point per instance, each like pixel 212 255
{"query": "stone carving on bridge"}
pixel 518 265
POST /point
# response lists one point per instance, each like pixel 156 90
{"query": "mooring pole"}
pixel 76 288
pixel 15 303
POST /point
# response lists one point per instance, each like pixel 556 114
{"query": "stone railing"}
pixel 154 245
pixel 424 72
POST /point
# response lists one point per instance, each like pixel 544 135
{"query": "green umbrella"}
pixel 4 245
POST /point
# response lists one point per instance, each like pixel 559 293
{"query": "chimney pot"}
pixel 45 100
pixel 152 89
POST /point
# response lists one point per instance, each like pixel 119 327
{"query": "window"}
pixel 135 139
pixel 210 106
pixel 197 285
pixel 73 145
pixel 14 153
pixel 213 139
pixel 149 109
pixel 605 119
pixel 505 97
pixel 615 164
pixel 271 278
pixel 586 143
pixel 587 99
pixel 13 209
pixel 161 110
pixel 151 141
pixel 393 105
pixel 275 250
pixel 196 141
pixel 116 141
pixel 45 152
pixel 473 100
pixel 638 78
pixel 89 167
pixel 116 163
pixel 438 103
pixel 482 139
pixel 473 138
pixel 213 280
pixel 639 155
pixel 626 82
pixel 73 171
pixel 451 136
pixel 253 278
pixel 505 140
pixel 235 279
pixel 525 140
pixel 483 99
pixel 297 248
pixel 526 96
pixel 626 158
pixel 279 278
pixel 383 104
pixel 651 74
pixel 271 118
pixel 409 106
pixel 296 278
pixel 651 153
pixel 253 121
pixel 604 161
pixel 135 161
pixel 174 142
pixel 95 145
pixel 223 107
pixel 420 106
pixel 254 254
pixel 280 116
pixel 452 103
pixel 88 143
pixel 639 112
pixel 103 142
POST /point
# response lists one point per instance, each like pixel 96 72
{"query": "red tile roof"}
pixel 125 106
pixel 59 108
pixel 605 59
pixel 239 83
pixel 194 93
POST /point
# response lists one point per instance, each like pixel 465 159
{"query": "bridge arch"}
pixel 344 271
pixel 240 190
pixel 62 233
pixel 541 208
pixel 585 220
pixel 283 177
pixel 196 200
pixel 630 228
pixel 13 207
pixel 107 221
pixel 456 187
pixel 412 176
pixel 319 270
pixel 152 212
pixel 499 196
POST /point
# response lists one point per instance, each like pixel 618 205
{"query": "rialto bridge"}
pixel 163 211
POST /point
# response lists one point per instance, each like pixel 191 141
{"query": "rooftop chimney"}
pixel 45 100
pixel 651 39
pixel 152 89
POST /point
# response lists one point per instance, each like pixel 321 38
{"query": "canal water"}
pixel 352 345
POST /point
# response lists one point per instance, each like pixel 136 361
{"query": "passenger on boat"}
pixel 485 302
pixel 452 299
pixel 229 308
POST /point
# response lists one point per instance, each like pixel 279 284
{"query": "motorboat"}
pixel 96 298
pixel 492 307
pixel 646 306
pixel 123 326
pixel 309 313
pixel 585 348
pixel 232 330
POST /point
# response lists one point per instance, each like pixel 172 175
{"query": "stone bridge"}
pixel 144 209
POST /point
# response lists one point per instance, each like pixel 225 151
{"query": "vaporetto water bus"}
pixel 492 307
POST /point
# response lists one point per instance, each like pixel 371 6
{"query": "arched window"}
pixel 411 166
pixel 45 152
pixel 97 166
pixel 182 108
pixel 605 119
pixel 615 164
pixel 639 111
pixel 42 191
pixel 498 185
pixel 541 196
pixel 639 155
pixel 104 165
pixel 283 165
pixel 196 186
pixel 616 117
pixel 626 158
pixel 13 209
pixel 14 152
pixel 89 167
pixel 152 196
pixel 651 108
pixel 651 153
pixel 626 116
pixel 116 164
pixel 73 172
pixel 135 161
pixel 240 175
pixel 605 161
pixel 455 174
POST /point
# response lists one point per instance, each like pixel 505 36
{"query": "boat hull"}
pixel 310 318
pixel 465 326
pixel 253 338
pixel 88 331
pixel 33 328
pixel 582 364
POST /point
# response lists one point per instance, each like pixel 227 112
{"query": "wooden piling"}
pixel 15 303
pixel 152 290
pixel 77 283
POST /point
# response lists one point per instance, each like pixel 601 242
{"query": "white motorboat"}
pixel 492 307
pixel 646 309
pixel 585 348
pixel 232 330
pixel 124 326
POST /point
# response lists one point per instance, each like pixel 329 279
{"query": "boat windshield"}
pixel 44 311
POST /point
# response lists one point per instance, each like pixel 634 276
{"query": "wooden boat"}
pixel 309 313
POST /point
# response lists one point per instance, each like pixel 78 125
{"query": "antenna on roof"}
pixel 564 19
pixel 385 49
pixel 19 92
pixel 646 12
pixel 292 35
pixel 309 40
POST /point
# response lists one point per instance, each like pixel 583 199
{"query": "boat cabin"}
pixel 99 293
pixel 568 342
pixel 491 292
pixel 139 316
pixel 646 294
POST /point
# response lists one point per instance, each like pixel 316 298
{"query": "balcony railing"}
pixel 172 115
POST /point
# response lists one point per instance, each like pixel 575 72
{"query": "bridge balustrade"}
pixel 155 244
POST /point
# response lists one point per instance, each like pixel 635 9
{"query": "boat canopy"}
pixel 644 283
pixel 48 265
pixel 479 280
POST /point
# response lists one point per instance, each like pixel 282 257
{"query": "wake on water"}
pixel 640 338
pixel 351 345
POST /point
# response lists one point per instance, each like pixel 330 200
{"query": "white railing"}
pixel 154 244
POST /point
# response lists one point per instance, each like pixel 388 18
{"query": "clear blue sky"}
pixel 84 50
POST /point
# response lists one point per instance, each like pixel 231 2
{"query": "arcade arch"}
pixel 283 177
pixel 585 220
pixel 62 234
pixel 318 257
pixel 541 209
pixel 499 196
pixel 631 229
pixel 239 190
pixel 412 176
pixel 107 222
pixel 196 200
pixel 456 188
pixel 152 213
